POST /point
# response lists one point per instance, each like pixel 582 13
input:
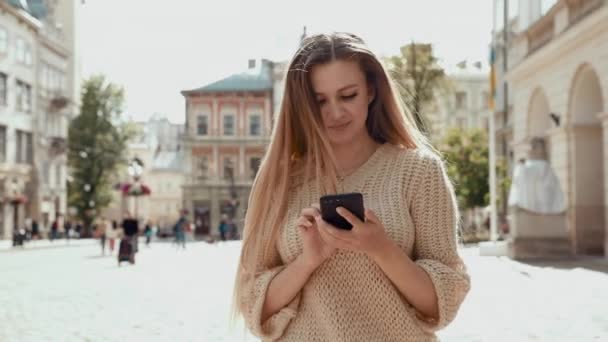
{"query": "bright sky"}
pixel 155 49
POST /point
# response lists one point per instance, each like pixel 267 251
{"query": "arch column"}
pixel 604 119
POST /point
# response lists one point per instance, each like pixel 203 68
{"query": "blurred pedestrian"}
pixel 180 231
pixel 67 227
pixel 224 227
pixel 100 232
pixel 35 230
pixel 148 233
pixel 54 229
pixel 130 228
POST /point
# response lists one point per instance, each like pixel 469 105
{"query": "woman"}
pixel 397 275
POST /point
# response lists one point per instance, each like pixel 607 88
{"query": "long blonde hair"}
pixel 299 149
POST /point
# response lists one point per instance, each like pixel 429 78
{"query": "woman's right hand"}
pixel 316 251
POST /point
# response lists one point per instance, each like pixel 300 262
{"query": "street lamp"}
pixel 135 170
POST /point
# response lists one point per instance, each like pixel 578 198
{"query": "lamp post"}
pixel 135 170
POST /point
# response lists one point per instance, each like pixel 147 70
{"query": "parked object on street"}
pixel 125 251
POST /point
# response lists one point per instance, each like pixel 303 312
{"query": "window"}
pixel 2 144
pixel 201 167
pixel 58 175
pixel 229 166
pixel 461 99
pixel 20 50
pixel 28 55
pixel 254 166
pixel 228 124
pixel 24 96
pixel 46 173
pixel 24 148
pixel 255 124
pixel 3 40
pixel 3 88
pixel 202 124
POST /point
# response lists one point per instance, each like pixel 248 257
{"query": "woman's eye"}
pixel 349 97
pixel 321 101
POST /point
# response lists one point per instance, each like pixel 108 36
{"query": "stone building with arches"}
pixel 558 76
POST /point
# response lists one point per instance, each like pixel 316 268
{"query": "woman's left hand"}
pixel 367 236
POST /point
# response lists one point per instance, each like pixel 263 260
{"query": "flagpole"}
pixel 492 135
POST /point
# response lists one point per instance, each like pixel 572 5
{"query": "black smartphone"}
pixel 351 201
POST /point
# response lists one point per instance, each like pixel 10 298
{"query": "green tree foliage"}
pixel 97 142
pixel 418 77
pixel 466 152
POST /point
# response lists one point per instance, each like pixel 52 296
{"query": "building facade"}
pixel 39 89
pixel 463 104
pixel 158 147
pixel 558 77
pixel 228 126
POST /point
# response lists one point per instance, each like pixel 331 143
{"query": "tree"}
pixel 467 156
pixel 97 141
pixel 418 77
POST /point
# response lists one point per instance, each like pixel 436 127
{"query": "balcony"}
pixel 563 15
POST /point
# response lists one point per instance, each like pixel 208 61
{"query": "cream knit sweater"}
pixel 348 298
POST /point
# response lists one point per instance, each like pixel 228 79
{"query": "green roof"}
pixel 257 79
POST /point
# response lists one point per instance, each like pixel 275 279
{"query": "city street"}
pixel 74 294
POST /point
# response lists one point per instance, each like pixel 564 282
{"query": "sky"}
pixel 155 49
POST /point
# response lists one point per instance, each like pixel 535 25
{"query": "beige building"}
pixel 39 89
pixel 462 104
pixel 157 146
pixel 228 125
pixel 558 79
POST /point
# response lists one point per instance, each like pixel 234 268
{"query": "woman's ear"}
pixel 371 93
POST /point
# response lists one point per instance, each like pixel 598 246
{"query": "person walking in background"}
pixel 35 230
pixel 67 227
pixel 54 229
pixel 180 231
pixel 224 227
pixel 100 233
pixel 148 233
pixel 131 231
pixel 111 233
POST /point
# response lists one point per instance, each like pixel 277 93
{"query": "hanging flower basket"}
pixel 17 199
pixel 134 189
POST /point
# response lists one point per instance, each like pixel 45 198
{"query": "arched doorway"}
pixel 587 179
pixel 539 121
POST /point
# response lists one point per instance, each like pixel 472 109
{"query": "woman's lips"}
pixel 340 126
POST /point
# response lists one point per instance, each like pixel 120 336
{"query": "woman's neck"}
pixel 349 157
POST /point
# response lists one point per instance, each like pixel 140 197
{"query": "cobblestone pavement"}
pixel 74 294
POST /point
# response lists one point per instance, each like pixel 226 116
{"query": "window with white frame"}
pixel 29 60
pixel 20 50
pixel 461 99
pixel 3 88
pixel 58 175
pixel 255 125
pixel 202 124
pixel 25 149
pixel 3 40
pixel 24 96
pixel 228 124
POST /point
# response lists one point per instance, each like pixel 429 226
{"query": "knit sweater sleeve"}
pixel 435 217
pixel 274 327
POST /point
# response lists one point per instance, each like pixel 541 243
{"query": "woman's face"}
pixel 343 96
